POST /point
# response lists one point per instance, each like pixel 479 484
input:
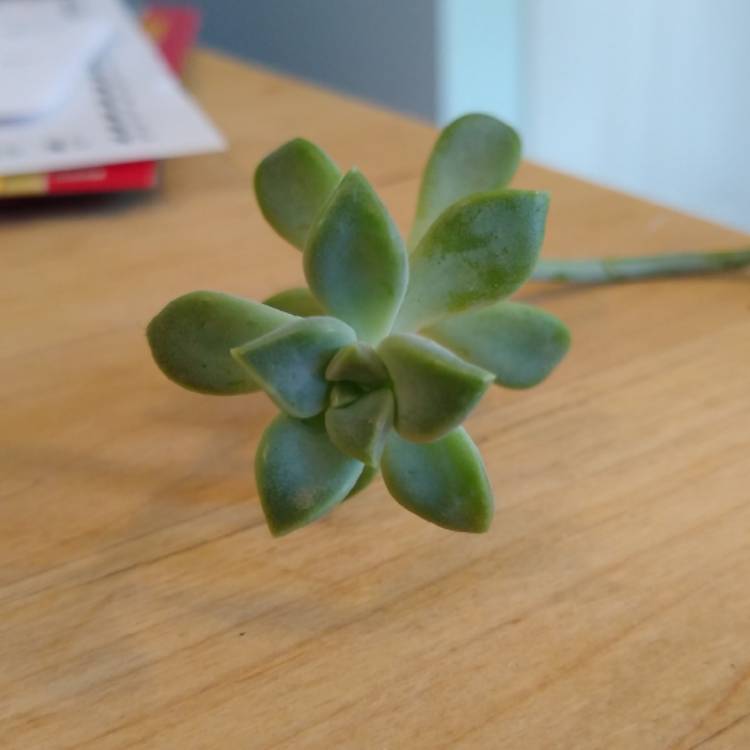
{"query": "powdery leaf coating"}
pixel 291 185
pixel 355 262
pixel 434 389
pixel 300 474
pixel 378 362
pixel 296 301
pixel 479 251
pixel 520 344
pixel 361 427
pixel 473 154
pixel 444 482
pixel 191 338
pixel 357 363
pixel 290 363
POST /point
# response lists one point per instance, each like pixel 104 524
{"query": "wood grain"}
pixel 143 604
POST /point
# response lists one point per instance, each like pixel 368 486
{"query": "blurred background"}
pixel 650 97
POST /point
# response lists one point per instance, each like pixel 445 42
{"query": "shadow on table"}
pixel 33 208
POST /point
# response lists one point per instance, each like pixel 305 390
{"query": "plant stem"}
pixel 604 270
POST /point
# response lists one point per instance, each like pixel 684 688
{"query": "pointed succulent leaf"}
pixel 300 474
pixel 443 482
pixel 360 428
pixel 434 389
pixel 290 363
pixel 474 154
pixel 365 478
pixel 297 301
pixel 344 393
pixel 479 251
pixel 355 261
pixel 358 363
pixel 520 344
pixel 192 336
pixel 292 184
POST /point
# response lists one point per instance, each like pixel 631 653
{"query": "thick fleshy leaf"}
pixel 291 185
pixel 290 363
pixel 443 482
pixel 297 301
pixel 360 428
pixel 520 344
pixel 358 363
pixel 365 479
pixel 474 154
pixel 434 389
pixel 192 336
pixel 300 474
pixel 479 251
pixel 344 393
pixel 355 261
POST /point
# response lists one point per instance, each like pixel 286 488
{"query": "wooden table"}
pixel 143 604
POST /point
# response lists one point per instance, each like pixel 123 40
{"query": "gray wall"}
pixel 649 97
pixel 383 50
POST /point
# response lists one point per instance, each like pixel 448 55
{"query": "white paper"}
pixel 128 107
pixel 40 62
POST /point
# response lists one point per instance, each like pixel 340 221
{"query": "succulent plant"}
pixel 377 364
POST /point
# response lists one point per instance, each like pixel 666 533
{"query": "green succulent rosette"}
pixel 377 363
